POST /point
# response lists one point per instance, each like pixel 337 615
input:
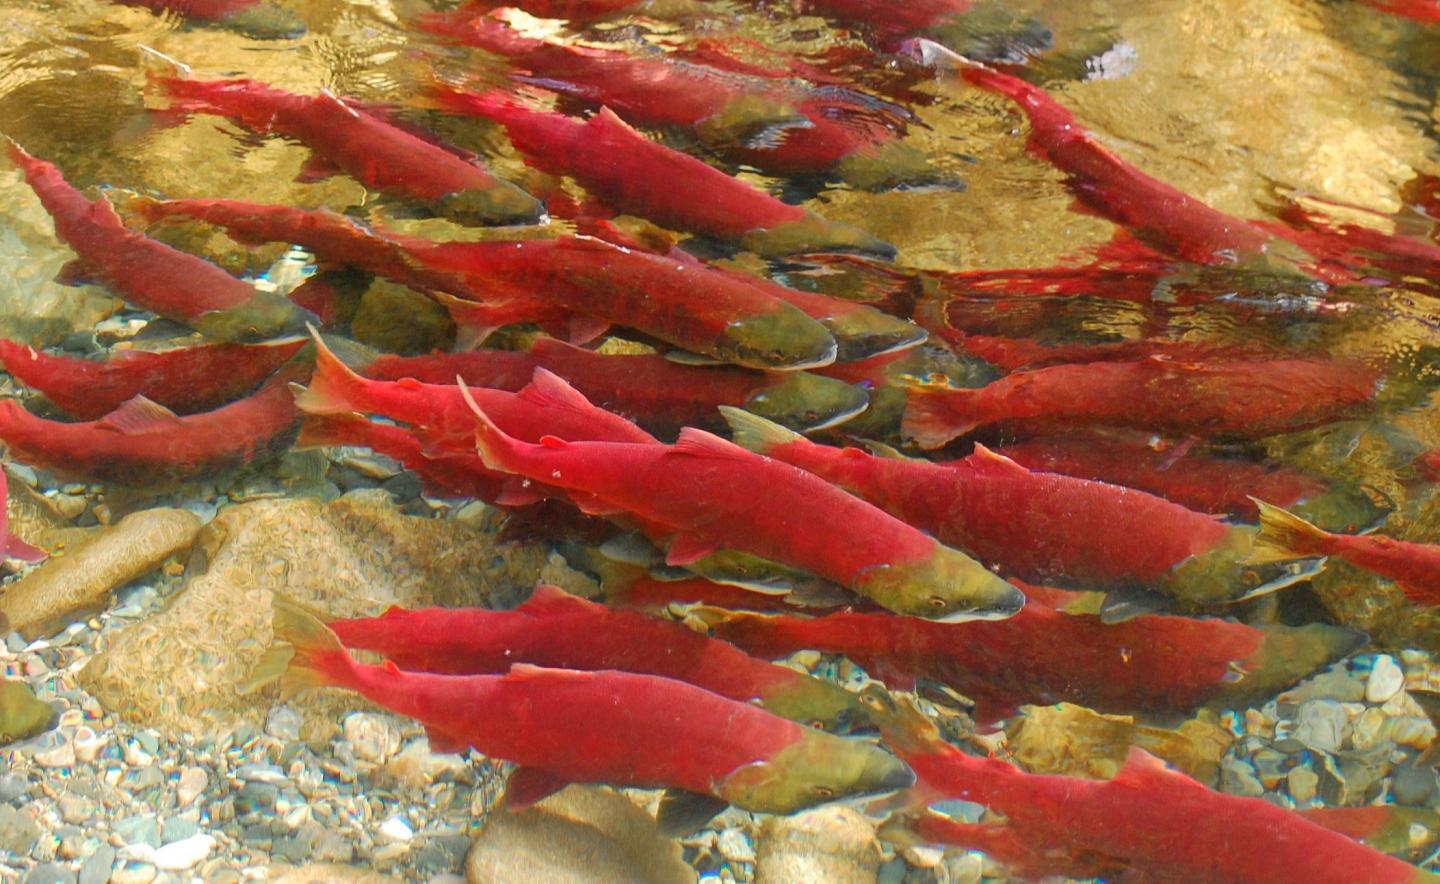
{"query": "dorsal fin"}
pixel 548 390
pixel 608 120
pixel 698 443
pixel 139 415
pixel 1140 766
pixel 102 213
pixel 547 599
pixel 994 460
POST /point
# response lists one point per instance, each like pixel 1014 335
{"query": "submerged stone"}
pixel 831 843
pixel 21 714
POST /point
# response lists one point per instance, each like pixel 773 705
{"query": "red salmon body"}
pixel 1160 823
pixel 1040 656
pixel 1172 470
pixel 185 380
pixel 705 490
pixel 1280 395
pixel 151 275
pixel 142 443
pixel 377 154
pixel 683 303
pixel 558 630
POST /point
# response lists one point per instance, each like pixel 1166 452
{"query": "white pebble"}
pixel 395 829
pixel 1385 681
pixel 193 781
pixel 88 744
pixel 185 853
pixel 374 737
pixel 61 755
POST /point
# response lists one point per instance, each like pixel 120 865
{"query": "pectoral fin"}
pixel 683 812
pixel 531 785
pixel 77 271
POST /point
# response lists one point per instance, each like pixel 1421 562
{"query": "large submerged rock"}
pixel 358 555
pixel 833 843
pixel 583 833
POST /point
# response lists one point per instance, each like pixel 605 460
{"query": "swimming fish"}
pixel 1152 821
pixel 1155 663
pixel 1184 473
pixel 713 495
pixel 633 175
pixel 379 155
pixel 1215 400
pixel 657 393
pixel 151 275
pixel 1041 527
pixel 12 547
pixel 451 474
pixel 145 443
pixel 682 302
pixel 185 380
pixel 557 630
pixel 253 18
pixel 439 413
pixel 563 726
pixel 1415 567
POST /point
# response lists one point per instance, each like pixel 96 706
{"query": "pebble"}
pixel 1302 783
pixel 134 872
pixel 50 873
pixel 1320 725
pixel 73 808
pixel 395 829
pixel 88 744
pixel 18 831
pixel 184 854
pixel 96 867
pixel 13 786
pixel 735 847
pixel 374 737
pixel 283 723
pixel 1385 681
pixel 831 843
pixel 191 784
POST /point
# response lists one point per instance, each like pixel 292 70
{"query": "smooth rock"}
pixel 580 834
pixel 373 736
pixel 1385 681
pixel 395 829
pixel 283 723
pixel 96 867
pixel 735 846
pixel 1320 725
pixel 21 714
pixel 1302 783
pixel 191 784
pixel 833 843
pixel 48 598
pixel 1413 785
pixel 133 872
pixel 185 853
pixel 177 670
pixel 1238 778
pixel 50 873
pixel 18 831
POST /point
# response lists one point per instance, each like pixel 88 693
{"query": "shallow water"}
pixel 1256 109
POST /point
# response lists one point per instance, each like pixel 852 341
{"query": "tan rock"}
pixel 81 580
pixel 1073 740
pixel 35 519
pixel 833 843
pixel 583 833
pixel 326 873
pixel 358 555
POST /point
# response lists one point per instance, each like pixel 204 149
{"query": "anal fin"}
pixel 77 272
pixel 682 812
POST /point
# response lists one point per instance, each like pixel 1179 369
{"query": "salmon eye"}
pixel 824 793
pixel 937 603
pixel 818 724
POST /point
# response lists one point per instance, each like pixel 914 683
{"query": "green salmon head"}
pixel 817 703
pixel 263 317
pixel 807 402
pixel 816 768
pixel 893 165
pixel 502 204
pixel 949 586
pixel 784 340
pixel 265 21
pixel 814 234
pixel 1347 509
pixel 752 119
pixel 1227 573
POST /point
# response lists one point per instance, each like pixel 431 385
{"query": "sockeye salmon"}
pixel 633 175
pixel 151 275
pixel 704 490
pixel 185 380
pixel 1415 567
pixel 1280 396
pixel 144 443
pixel 562 726
pixel 1025 523
pixel 379 155
pixel 657 393
pixel 1151 821
pixel 557 630
pixel 1042 656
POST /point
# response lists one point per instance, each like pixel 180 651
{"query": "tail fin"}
pixel 333 386
pixel 1284 536
pixel 930 420
pixel 754 432
pixel 306 653
pixel 490 440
